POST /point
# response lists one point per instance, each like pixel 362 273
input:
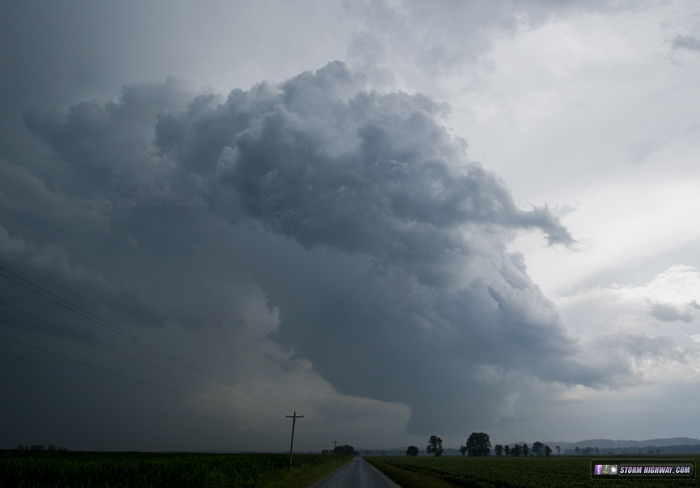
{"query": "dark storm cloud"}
pixel 105 145
pixel 690 43
pixel 381 247
pixel 669 313
pixel 101 154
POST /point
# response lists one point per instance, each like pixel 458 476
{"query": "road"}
pixel 357 473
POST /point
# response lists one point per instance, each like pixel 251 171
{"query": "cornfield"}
pixel 506 472
pixel 20 469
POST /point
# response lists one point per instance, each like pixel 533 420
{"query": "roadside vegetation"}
pixel 67 469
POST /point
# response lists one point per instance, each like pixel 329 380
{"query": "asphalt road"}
pixel 357 473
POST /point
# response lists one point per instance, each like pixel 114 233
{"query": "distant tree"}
pixel 558 450
pixel 434 446
pixel 51 447
pixel 526 450
pixel 499 450
pixel 479 444
pixel 346 450
pixel 538 449
pixel 547 451
pixel 463 450
pixel 516 450
pixel 596 450
pixel 578 450
pixel 412 451
pixel 37 447
pixel 20 447
pixel 507 450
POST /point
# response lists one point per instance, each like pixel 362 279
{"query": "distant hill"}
pixel 648 446
pixel 611 444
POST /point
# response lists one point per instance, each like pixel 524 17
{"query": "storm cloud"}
pixel 690 43
pixel 380 247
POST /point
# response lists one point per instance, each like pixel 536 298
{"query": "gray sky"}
pixel 396 218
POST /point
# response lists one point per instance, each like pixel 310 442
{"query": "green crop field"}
pixel 507 472
pixel 19 469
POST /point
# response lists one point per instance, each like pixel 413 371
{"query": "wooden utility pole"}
pixel 291 446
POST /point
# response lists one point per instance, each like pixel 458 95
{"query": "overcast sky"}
pixel 396 218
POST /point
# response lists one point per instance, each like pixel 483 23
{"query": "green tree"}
pixel 346 450
pixel 577 450
pixel 526 450
pixel 434 446
pixel 499 450
pixel 558 450
pixel 412 451
pixel 463 450
pixel 479 444
pixel 547 451
pixel 507 450
pixel 516 450
pixel 538 449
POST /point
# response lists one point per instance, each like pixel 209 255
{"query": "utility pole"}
pixel 291 446
pixel 334 444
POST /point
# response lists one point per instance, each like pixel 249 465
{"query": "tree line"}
pixel 538 449
pixel 346 450
pixel 39 447
pixel 479 444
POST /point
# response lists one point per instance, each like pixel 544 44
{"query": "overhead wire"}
pixel 119 331
pixel 99 368
pixel 117 351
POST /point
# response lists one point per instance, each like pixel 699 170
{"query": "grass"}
pixel 507 472
pixel 20 469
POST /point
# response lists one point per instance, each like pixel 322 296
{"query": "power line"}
pixel 129 377
pixel 118 330
pixel 127 355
